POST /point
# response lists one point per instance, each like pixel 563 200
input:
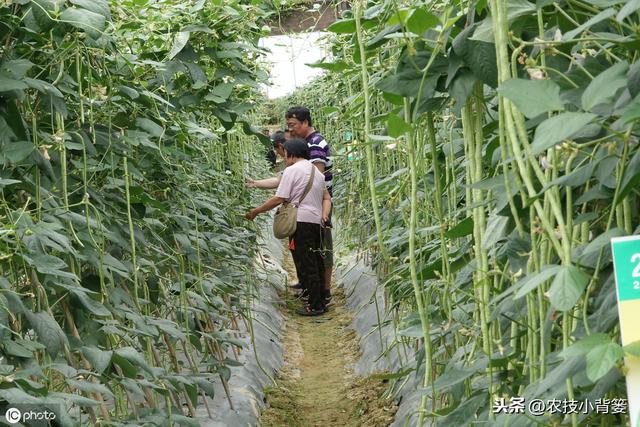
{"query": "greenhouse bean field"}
pixel 485 154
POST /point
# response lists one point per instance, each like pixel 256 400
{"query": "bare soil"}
pixel 304 18
pixel 316 386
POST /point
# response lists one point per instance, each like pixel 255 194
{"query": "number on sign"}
pixel 636 270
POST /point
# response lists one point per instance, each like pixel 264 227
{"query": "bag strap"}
pixel 308 187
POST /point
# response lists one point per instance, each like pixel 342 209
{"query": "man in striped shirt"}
pixel 300 125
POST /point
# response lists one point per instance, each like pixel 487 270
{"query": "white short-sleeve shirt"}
pixel 292 185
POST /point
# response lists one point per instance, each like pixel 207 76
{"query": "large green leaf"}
pixel 99 359
pixel 631 177
pixel 335 66
pixel 605 3
pixel 15 395
pixel 90 304
pixel 5 329
pixel 131 355
pixel 577 177
pixel 100 7
pixel 605 14
pixel 451 377
pixel 379 39
pixel 45 234
pixel 89 387
pixel 532 281
pixel 43 87
pixel 13 348
pixel 207 385
pixel 421 20
pixel 8 83
pixel 463 228
pixel 479 56
pixel 92 23
pixel 397 126
pixel 49 264
pixel 532 97
pixel 634 79
pixel 16 68
pixel 222 90
pixel 603 241
pixel 558 128
pixel 454 375
pixel 496 230
pixel 180 41
pixel 343 26
pixel 15 152
pixel 7 182
pixel 150 126
pixel 462 87
pixel 75 399
pixel 601 359
pixel 49 332
pixel 44 10
pixel 407 83
pixel 631 111
pixel 630 7
pixel 585 345
pixel 131 93
pixel 465 413
pixel 515 9
pixel 604 87
pixel 567 287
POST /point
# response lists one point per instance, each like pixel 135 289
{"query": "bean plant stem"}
pixel 421 301
pixel 369 157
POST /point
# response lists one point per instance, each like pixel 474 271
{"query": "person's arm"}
pixel 266 206
pixel 326 206
pixel 266 183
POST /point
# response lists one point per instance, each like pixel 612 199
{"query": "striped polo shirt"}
pixel 319 152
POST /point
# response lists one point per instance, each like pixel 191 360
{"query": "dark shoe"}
pixel 308 311
pixel 296 286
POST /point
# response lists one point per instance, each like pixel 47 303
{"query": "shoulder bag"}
pixel 285 220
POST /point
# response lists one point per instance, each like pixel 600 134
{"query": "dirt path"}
pixel 316 386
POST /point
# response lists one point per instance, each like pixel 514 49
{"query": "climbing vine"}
pixel 124 262
pixel 504 139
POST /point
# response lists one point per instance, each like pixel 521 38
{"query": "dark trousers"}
pixel 307 256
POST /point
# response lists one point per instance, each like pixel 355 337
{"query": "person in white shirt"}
pixel 313 211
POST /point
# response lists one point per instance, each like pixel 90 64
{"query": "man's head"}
pixel 295 149
pixel 299 121
pixel 279 138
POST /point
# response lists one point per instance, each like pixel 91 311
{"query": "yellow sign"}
pixel 626 264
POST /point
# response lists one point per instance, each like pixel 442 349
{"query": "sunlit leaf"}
pixel 558 128
pixel 602 359
pixel 567 287
pixel 532 97
pixel 92 23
